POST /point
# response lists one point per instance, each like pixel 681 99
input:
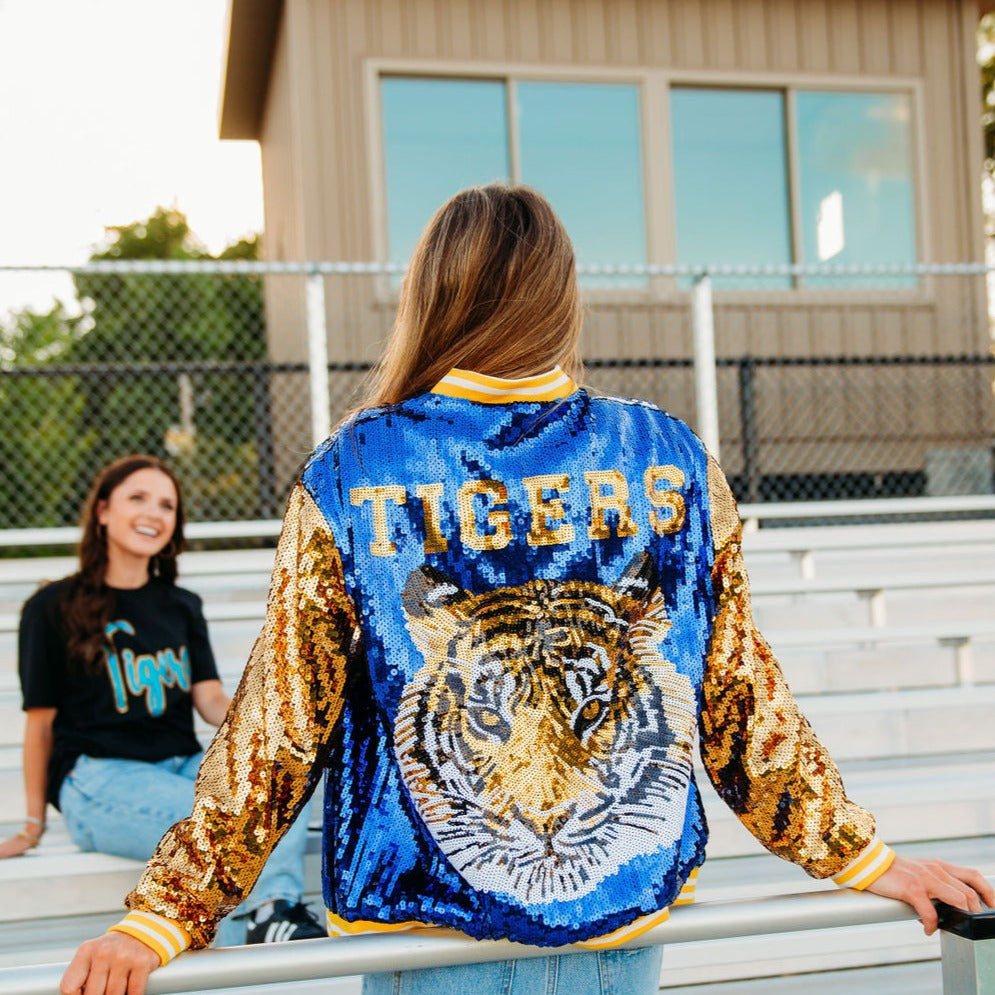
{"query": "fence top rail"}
pixel 262 367
pixel 310 960
pixel 368 267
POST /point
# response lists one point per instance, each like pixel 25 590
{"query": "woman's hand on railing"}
pixel 112 964
pixel 918 882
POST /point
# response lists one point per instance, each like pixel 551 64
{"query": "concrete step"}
pixel 89 884
pixel 912 799
pixel 797 955
pixel 907 723
pixel 853 725
pixel 812 672
pixel 853 961
pixel 932 799
pixel 821 611
pixel 919 978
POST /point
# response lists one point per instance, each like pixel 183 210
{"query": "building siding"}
pixel 319 107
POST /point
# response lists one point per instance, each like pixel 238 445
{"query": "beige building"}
pixel 684 132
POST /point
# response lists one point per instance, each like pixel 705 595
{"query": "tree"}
pixel 41 448
pixel 170 317
pixel 150 356
pixel 986 62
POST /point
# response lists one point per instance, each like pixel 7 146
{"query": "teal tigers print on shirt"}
pixel 144 674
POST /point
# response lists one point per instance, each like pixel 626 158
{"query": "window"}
pixel 731 181
pixel 763 175
pixel 441 136
pixel 578 143
pixel 855 162
pixel 852 173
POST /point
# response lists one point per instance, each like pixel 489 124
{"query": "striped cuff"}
pixel 869 865
pixel 167 938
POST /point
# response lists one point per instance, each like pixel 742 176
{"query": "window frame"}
pixel 654 87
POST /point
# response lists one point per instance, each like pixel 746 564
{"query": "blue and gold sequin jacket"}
pixel 501 615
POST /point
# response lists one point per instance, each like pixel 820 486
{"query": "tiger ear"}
pixel 639 580
pixel 429 598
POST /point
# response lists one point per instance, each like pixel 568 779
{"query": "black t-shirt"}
pixel 137 704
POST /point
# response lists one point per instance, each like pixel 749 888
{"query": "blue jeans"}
pixel 123 807
pixel 593 972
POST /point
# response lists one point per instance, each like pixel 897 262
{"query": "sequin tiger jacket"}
pixel 501 614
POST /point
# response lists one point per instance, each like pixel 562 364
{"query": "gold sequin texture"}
pixel 759 750
pixel 265 760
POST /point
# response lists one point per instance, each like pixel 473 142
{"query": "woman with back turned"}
pixel 502 610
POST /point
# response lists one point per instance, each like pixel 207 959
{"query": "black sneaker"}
pixel 284 922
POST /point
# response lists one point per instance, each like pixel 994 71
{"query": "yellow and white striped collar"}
pixel 471 386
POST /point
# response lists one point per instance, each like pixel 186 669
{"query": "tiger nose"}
pixel 547 824
pixel 555 824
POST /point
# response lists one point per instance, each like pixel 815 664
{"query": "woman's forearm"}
pixel 37 752
pixel 211 701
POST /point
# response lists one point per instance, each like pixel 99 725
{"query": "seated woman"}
pixel 113 660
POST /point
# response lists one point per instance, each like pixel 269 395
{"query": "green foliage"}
pixel 59 429
pixel 217 474
pixel 42 449
pixel 986 63
pixel 32 339
pixel 144 317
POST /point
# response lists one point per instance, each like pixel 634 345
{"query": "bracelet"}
pixel 33 841
pixel 35 821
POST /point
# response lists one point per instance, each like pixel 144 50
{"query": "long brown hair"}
pixel 491 287
pixel 88 601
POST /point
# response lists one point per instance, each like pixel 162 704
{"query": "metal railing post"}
pixel 706 390
pixel 967 946
pixel 317 341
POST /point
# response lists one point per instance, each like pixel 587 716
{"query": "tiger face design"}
pixel 545 742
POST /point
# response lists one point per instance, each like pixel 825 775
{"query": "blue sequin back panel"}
pixel 514 759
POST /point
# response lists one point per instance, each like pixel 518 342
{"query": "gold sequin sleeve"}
pixel 265 759
pixel 759 750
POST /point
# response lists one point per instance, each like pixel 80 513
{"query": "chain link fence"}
pixel 833 428
pixel 208 365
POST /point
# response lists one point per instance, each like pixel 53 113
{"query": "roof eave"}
pixel 251 38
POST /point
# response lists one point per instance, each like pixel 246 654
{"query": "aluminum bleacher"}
pixel 890 694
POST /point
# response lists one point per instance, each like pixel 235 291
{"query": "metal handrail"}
pixel 311 960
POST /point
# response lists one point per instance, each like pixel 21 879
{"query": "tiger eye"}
pixel 591 710
pixel 490 719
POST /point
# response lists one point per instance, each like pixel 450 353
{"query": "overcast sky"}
pixel 108 108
